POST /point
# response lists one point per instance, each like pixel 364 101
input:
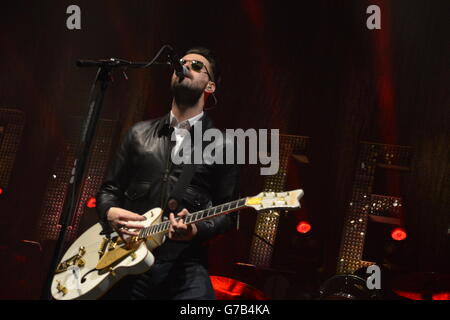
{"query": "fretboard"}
pixel 195 217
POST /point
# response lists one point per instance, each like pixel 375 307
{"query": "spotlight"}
pixel 398 234
pixel 303 227
pixel 91 202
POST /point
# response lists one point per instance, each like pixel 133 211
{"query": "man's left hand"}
pixel 179 230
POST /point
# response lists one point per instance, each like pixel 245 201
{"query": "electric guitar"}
pixel 96 261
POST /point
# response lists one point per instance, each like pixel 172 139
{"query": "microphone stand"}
pixel 73 194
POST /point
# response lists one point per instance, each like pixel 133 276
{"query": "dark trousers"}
pixel 168 280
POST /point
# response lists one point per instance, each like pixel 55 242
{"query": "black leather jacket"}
pixel 142 176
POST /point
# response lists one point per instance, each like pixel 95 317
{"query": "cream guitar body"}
pixel 95 262
pixel 88 276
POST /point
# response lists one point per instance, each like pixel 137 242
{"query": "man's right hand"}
pixel 121 220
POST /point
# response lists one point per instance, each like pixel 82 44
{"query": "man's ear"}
pixel 210 87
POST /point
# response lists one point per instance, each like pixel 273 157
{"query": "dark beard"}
pixel 185 96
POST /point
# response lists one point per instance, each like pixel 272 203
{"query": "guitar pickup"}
pixel 103 245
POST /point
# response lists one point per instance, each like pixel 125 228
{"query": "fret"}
pixel 198 215
pixel 193 217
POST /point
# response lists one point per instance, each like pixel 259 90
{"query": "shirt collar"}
pixel 174 122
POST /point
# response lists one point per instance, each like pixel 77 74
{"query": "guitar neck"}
pixel 194 217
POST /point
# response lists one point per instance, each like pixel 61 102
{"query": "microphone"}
pixel 180 70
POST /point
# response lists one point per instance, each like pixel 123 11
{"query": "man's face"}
pixel 191 88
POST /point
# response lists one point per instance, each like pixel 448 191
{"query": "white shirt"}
pixel 181 128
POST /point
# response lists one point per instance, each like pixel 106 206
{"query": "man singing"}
pixel 142 176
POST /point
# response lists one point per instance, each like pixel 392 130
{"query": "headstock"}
pixel 288 200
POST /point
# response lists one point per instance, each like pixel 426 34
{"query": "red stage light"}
pixel 1 191
pixel 409 295
pixel 303 227
pixel 231 289
pixel 398 234
pixel 441 296
pixel 91 203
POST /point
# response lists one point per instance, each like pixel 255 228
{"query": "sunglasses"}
pixel 197 66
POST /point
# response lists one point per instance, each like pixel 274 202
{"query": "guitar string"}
pixel 164 226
